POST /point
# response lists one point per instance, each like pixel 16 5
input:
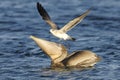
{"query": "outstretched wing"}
pixel 74 22
pixel 45 16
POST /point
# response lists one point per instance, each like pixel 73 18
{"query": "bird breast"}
pixel 59 34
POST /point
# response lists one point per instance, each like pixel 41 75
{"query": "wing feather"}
pixel 45 16
pixel 74 22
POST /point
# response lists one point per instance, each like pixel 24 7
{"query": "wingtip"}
pixel 88 11
pixel 38 4
pixel 42 11
pixel 91 8
pixel 31 36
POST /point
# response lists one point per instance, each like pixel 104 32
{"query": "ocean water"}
pixel 21 59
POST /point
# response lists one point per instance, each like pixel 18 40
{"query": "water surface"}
pixel 21 59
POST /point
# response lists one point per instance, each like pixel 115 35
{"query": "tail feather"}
pixel 73 39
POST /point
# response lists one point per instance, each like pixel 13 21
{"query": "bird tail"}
pixel 73 39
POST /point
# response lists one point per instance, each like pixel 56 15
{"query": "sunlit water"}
pixel 21 59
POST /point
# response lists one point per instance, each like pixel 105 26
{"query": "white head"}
pixel 51 30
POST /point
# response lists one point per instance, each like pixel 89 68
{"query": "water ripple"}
pixel 21 59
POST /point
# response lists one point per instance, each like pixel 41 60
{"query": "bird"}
pixel 62 32
pixel 61 58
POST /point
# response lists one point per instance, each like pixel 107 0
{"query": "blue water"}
pixel 21 59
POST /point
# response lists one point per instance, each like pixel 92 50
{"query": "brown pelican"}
pixel 60 33
pixel 61 58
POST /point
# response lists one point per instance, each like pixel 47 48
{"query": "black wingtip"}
pixel 37 3
pixel 42 12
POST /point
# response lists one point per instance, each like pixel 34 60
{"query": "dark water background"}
pixel 21 59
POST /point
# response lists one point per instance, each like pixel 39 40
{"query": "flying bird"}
pixel 60 33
